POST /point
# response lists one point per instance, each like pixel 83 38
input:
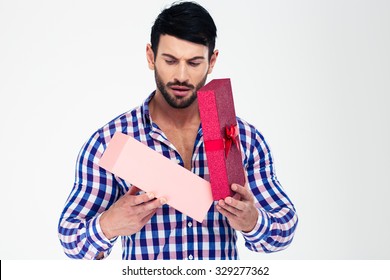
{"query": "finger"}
pixel 237 204
pixel 149 206
pixel 233 210
pixel 225 212
pixel 243 191
pixel 141 198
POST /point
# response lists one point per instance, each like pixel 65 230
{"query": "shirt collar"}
pixel 145 109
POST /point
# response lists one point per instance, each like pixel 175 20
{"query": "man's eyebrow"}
pixel 168 55
pixel 197 57
pixel 173 57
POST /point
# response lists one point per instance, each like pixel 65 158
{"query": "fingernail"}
pixel 150 195
pixel 234 187
pixel 163 200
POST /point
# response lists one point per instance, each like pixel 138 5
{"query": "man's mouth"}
pixel 180 90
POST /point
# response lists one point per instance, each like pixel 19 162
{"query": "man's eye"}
pixel 170 62
pixel 194 64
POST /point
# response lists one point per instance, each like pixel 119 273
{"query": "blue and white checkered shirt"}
pixel 170 234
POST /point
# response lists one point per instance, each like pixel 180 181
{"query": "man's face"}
pixel 181 69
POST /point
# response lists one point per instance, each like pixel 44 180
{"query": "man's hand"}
pixel 239 209
pixel 130 213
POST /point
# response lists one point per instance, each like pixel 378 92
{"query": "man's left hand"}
pixel 240 209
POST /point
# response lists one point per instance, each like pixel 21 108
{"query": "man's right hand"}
pixel 130 213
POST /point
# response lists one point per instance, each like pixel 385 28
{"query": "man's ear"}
pixel 150 56
pixel 213 60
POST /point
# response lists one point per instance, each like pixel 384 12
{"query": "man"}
pixel 102 206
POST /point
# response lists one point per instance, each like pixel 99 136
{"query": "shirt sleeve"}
pixel 277 218
pixel 94 191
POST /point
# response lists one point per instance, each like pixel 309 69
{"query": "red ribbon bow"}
pixel 231 137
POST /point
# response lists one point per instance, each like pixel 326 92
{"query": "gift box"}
pixel 221 137
pixel 150 171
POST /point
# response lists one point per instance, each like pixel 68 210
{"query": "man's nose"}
pixel 182 74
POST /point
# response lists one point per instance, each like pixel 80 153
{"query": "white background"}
pixel 312 76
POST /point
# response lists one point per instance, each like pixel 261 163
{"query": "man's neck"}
pixel 164 114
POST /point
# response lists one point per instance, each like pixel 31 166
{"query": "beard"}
pixel 178 102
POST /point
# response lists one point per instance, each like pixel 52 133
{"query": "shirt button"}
pixel 190 257
pixel 189 224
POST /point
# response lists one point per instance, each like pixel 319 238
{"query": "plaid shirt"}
pixel 170 234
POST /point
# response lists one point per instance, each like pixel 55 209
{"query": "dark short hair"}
pixel 187 21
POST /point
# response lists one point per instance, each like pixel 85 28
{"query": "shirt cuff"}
pixel 261 229
pixel 96 237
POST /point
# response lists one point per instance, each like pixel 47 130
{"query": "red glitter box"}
pixel 221 137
